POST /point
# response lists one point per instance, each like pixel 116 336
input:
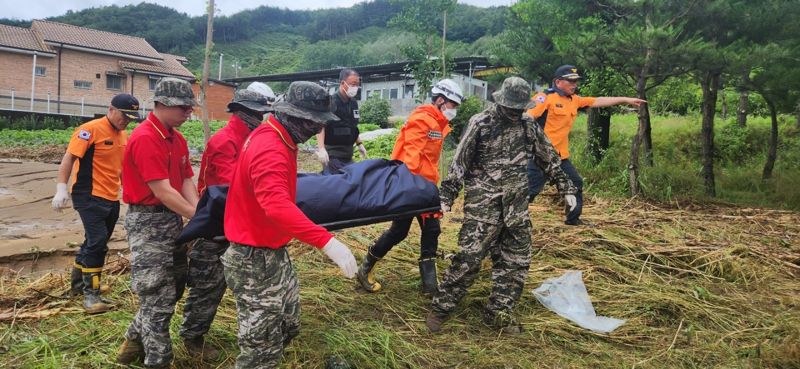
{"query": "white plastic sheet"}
pixel 567 297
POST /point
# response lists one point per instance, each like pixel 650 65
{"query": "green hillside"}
pixel 274 40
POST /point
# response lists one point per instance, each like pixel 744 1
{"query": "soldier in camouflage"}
pixel 490 162
pixel 157 185
pixel 206 279
pixel 261 217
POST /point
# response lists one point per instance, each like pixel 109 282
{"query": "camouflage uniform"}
pixel 158 277
pixel 491 162
pixel 158 265
pixel 207 286
pixel 268 317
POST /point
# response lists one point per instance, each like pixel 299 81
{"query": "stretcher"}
pixel 433 212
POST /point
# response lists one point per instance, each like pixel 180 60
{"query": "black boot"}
pixel 366 273
pixel 427 272
pixel 92 302
pixel 76 281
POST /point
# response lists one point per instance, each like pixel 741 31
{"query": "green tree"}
pixel 421 18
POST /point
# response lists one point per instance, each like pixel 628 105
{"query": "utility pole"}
pixel 444 37
pixel 204 83
pixel 219 76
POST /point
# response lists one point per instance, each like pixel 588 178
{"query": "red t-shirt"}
pixel 153 152
pixel 260 210
pixel 222 150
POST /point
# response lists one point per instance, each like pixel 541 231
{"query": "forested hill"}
pixel 266 38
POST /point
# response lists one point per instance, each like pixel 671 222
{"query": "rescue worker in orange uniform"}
pixel 555 111
pixel 95 154
pixel 419 146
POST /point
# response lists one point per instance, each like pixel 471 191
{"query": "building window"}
pixel 393 94
pixel 408 92
pixel 40 71
pixel 83 84
pixel 153 83
pixel 385 93
pixel 113 82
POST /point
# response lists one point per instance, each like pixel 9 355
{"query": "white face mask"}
pixel 449 113
pixel 352 91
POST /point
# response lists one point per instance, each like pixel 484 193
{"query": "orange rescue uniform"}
pixel 100 148
pixel 560 113
pixel 419 144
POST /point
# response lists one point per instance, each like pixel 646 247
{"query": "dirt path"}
pixel 28 225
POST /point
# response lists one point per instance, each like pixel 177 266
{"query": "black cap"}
pixel 128 105
pixel 567 72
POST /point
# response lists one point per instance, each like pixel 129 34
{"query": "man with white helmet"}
pixel 206 278
pixel 263 89
pixel 419 146
pixel 335 143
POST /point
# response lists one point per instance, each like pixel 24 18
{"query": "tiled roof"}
pixel 170 66
pixel 21 38
pixel 94 39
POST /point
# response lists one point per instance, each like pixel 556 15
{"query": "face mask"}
pixel 513 115
pixel 449 113
pixel 352 91
pixel 299 129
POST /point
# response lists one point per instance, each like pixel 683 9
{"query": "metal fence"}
pixel 85 106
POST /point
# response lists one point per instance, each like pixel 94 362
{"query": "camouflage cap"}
pixel 174 92
pixel 307 100
pixel 515 93
pixel 249 99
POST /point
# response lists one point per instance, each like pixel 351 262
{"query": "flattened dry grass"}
pixel 701 286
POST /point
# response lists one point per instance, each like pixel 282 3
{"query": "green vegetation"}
pixel 705 287
pixel 375 111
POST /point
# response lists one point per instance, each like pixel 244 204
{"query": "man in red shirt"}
pixel 157 185
pixel 206 280
pixel 95 152
pixel 261 217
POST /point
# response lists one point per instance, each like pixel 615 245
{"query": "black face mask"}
pixel 250 117
pixel 513 115
pixel 299 129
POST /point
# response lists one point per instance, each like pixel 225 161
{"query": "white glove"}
pixel 342 256
pixel 444 208
pixel 572 202
pixel 61 198
pixel 362 150
pixel 322 155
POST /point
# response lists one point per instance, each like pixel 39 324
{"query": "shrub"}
pixel 366 127
pixel 376 111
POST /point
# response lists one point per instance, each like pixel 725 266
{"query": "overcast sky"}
pixel 38 9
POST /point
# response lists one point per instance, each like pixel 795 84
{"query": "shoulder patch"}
pixel 540 98
pixel 84 135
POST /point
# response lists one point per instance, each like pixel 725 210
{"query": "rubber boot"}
pixel 427 272
pixel 129 352
pixel 76 281
pixel 198 349
pixel 92 302
pixel 366 273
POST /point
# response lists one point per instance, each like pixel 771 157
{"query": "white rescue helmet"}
pixel 263 89
pixel 449 89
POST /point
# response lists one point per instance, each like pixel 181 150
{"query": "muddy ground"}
pixel 30 229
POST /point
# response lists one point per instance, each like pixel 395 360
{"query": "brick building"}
pixel 75 70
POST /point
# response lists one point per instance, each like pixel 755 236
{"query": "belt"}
pixel 149 209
